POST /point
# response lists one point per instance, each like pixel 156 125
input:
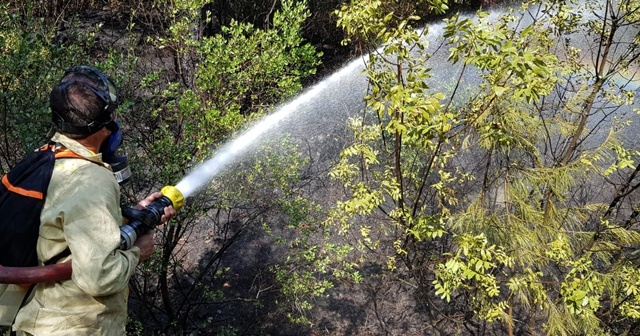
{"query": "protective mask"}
pixel 111 144
pixel 118 163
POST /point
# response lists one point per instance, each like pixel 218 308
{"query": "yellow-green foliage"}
pixel 541 223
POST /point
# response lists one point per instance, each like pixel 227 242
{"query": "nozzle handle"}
pixel 142 221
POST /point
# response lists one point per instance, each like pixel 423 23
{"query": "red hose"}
pixel 37 274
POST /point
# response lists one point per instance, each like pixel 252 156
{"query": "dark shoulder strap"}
pixel 65 253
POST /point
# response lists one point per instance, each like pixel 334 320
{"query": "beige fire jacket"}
pixel 81 211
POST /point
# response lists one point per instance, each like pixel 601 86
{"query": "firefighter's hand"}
pixel 146 243
pixel 169 211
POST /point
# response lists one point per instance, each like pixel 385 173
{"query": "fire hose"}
pixel 140 222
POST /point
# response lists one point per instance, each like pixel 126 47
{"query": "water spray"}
pixel 145 220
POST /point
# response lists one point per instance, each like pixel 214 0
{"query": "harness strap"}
pixel 60 153
pixel 67 154
pixel 21 191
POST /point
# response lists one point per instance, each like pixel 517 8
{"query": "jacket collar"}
pixel 78 148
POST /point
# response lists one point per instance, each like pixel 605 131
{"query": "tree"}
pixel 212 86
pixel 512 198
